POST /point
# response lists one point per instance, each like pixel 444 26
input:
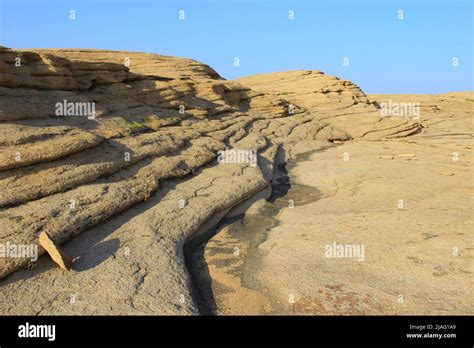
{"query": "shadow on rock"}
pixel 96 255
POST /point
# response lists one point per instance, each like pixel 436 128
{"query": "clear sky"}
pixel 385 54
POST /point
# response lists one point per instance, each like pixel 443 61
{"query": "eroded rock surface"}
pixel 407 202
pixel 125 188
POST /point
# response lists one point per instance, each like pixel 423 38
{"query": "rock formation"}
pixel 365 227
pixel 128 185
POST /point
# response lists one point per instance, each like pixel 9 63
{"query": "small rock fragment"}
pixel 386 157
pixel 58 255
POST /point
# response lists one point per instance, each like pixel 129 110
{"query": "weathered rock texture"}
pixel 128 187
pixel 407 201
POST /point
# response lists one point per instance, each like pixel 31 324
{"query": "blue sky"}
pixel 386 54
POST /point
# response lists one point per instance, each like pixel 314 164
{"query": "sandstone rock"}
pixel 412 224
pixel 110 188
pixel 58 256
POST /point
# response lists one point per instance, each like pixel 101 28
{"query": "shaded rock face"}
pixel 136 178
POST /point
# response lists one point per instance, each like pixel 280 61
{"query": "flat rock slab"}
pixel 404 227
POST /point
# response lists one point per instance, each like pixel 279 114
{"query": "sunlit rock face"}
pixel 118 156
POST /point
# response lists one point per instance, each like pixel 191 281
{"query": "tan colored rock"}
pixel 58 256
pixel 412 221
pixel 111 188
